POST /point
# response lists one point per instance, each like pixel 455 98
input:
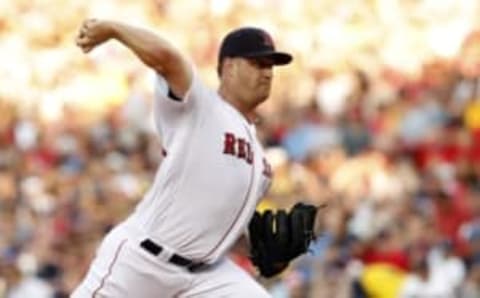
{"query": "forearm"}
pixel 152 50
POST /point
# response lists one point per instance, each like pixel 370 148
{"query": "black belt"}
pixel 178 260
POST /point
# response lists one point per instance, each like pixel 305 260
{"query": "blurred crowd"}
pixel 379 116
pixel 402 185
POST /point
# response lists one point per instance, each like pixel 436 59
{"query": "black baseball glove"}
pixel 277 238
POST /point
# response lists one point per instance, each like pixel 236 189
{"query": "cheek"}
pixel 254 76
pixel 248 79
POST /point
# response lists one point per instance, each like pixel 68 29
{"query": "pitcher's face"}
pixel 251 79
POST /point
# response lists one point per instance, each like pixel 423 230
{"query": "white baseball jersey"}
pixel 211 179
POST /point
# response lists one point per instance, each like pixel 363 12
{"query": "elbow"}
pixel 156 60
pixel 161 59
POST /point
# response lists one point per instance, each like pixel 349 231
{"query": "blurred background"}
pixel 379 114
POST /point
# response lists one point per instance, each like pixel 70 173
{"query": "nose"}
pixel 267 73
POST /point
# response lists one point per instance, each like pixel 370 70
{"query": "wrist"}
pixel 112 29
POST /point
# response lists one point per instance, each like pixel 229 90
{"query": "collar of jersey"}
pixel 248 123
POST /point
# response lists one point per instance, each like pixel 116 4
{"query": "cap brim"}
pixel 279 58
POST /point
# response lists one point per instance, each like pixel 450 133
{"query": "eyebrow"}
pixel 262 61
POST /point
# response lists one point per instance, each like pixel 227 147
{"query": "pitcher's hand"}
pixel 93 33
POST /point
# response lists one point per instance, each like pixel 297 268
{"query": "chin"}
pixel 263 98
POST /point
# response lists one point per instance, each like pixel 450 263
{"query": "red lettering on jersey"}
pixel 229 143
pixel 238 147
pixel 242 153
pixel 267 169
pixel 249 154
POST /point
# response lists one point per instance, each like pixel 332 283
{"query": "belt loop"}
pixel 166 254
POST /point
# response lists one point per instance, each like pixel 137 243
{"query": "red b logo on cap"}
pixel 267 40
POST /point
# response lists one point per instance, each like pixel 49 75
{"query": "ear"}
pixel 227 67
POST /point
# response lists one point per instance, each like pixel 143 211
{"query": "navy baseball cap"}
pixel 250 42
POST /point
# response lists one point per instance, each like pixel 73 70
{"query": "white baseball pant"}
pixel 123 269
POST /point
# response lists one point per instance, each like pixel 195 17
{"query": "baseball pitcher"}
pixel 206 190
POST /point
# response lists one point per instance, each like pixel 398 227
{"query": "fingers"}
pixel 82 32
pixel 84 29
pixel 84 38
pixel 87 49
pixel 85 43
pixel 89 23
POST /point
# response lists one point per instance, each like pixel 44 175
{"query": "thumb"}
pixel 87 49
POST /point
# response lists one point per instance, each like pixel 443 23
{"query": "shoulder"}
pixel 197 93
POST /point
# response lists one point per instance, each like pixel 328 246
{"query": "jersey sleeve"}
pixel 171 114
